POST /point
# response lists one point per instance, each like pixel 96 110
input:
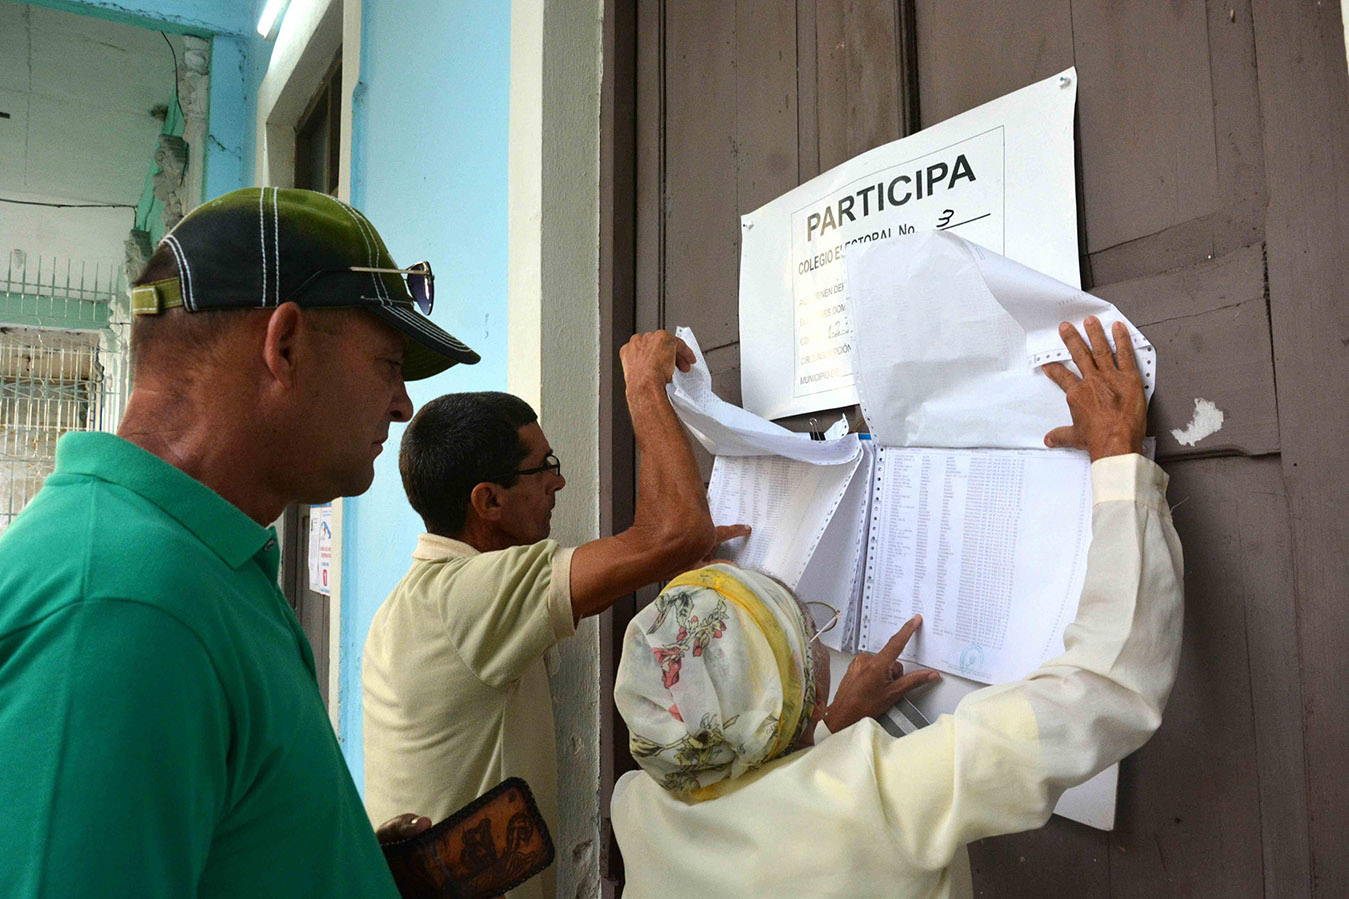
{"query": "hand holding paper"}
pixel 1106 402
pixel 950 338
pixel 726 430
pixel 651 358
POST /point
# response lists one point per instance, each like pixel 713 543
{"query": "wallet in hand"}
pixel 493 844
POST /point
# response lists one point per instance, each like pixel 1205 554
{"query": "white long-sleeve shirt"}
pixel 866 814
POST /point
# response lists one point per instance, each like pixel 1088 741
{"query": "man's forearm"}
pixel 669 485
pixel 671 526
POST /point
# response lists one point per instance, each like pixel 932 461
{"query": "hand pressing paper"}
pixel 949 339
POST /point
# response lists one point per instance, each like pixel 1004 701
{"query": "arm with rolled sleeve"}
pixel 1001 761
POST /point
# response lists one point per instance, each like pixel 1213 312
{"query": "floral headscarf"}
pixel 717 677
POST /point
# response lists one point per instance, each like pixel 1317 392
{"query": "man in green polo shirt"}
pixel 161 730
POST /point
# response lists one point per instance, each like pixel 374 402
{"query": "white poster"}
pixel 1000 175
pixel 321 548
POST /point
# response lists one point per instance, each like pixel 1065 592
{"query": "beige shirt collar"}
pixel 435 548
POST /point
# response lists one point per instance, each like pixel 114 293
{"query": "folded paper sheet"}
pixel 809 528
pixel 960 514
pixel 726 430
pixel 949 339
pixel 988 543
pixel 788 488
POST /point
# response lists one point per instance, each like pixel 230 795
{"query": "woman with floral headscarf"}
pixel 721 688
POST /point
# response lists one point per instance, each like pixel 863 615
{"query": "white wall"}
pixel 1344 19
pixel 554 350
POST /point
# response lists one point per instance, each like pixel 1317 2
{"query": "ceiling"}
pixel 79 93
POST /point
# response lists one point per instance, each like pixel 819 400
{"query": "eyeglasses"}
pixel 828 625
pixel 421 283
pixel 550 464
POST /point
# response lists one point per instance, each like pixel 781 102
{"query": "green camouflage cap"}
pixel 264 246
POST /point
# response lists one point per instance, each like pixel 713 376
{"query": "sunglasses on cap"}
pixel 420 282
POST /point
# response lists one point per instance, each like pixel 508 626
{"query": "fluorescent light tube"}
pixel 271 14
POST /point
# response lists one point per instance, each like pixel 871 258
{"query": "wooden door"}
pixel 1213 168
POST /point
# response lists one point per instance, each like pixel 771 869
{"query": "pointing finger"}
pixel 895 645
pixel 731 531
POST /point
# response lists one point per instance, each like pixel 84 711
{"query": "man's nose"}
pixel 401 409
pixel 559 481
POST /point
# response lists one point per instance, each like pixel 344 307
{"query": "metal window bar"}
pixel 64 365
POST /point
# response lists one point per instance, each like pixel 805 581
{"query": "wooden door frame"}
pixel 1304 83
pixel 295 585
pixel 617 315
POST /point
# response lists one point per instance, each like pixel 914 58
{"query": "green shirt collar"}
pixel 215 521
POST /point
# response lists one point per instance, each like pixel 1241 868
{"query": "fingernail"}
pixel 1065 327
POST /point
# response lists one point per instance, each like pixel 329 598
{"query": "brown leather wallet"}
pixel 493 844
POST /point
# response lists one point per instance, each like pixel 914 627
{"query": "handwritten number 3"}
pixel 945 219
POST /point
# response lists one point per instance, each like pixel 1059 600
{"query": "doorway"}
pixel 304 571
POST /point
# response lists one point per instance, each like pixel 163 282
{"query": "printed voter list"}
pixel 985 175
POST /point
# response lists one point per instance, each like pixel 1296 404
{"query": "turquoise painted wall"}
pixel 237 67
pixel 429 169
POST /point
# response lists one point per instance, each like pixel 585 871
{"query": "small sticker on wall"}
pixel 321 548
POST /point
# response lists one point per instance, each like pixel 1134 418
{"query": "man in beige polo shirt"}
pixel 455 692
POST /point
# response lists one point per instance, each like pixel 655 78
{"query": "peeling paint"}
pixel 1206 421
pixel 586 869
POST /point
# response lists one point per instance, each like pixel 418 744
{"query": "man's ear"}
pixel 486 500
pixel 281 344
